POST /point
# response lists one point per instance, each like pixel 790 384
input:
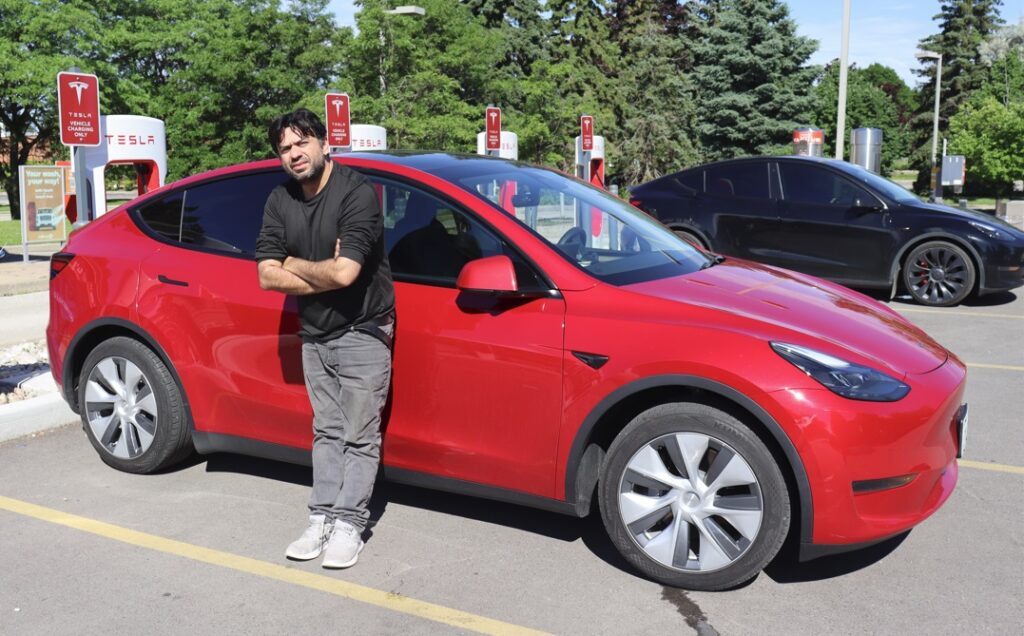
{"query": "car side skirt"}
pixel 209 443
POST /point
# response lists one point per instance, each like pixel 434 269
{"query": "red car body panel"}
pixel 487 390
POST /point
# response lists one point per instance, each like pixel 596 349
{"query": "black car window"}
pixel 163 216
pixel 748 179
pixel 803 183
pixel 429 240
pixel 226 214
pixel 692 179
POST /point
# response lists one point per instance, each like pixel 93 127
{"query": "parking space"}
pixel 200 548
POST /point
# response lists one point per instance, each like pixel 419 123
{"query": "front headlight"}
pixel 843 378
pixel 988 230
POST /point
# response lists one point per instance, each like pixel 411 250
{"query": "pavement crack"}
pixel 689 610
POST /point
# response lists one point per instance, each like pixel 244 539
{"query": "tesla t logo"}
pixel 493 115
pixel 78 86
pixel 337 106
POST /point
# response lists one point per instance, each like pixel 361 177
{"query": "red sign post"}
pixel 78 102
pixel 493 136
pixel 338 120
pixel 587 132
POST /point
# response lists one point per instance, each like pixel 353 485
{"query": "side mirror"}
pixel 869 205
pixel 490 275
pixel 527 199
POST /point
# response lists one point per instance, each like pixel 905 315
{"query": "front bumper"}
pixel 901 455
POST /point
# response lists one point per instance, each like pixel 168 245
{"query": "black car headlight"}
pixel 843 378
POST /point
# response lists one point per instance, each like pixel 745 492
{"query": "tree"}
pixel 963 26
pixel 37 41
pixel 1003 54
pixel 753 82
pixel 872 101
pixel 991 138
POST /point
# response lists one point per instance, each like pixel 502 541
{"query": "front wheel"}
pixel 938 274
pixel 132 409
pixel 692 498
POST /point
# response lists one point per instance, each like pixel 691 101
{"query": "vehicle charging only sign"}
pixel 78 102
pixel 339 124
pixel 493 136
pixel 587 132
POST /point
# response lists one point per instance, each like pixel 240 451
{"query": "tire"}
pixel 685 532
pixel 938 274
pixel 691 238
pixel 131 406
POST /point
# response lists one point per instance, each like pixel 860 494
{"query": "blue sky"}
pixel 883 31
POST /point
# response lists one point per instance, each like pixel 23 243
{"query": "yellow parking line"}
pixel 319 582
pixel 1001 468
pixel 975 314
pixel 1003 367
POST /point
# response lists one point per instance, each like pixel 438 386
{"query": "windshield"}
pixel 891 189
pixel 596 231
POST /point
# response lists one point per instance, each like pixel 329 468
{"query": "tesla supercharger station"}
pixel 125 139
pixel 590 168
pixel 507 148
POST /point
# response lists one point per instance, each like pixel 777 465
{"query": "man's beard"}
pixel 316 170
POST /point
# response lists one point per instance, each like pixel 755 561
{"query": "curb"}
pixel 38 414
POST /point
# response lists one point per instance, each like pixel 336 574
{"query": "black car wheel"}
pixel 692 497
pixel 132 408
pixel 938 274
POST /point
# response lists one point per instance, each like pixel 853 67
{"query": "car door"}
pixel 477 382
pixel 233 344
pixel 834 228
pixel 738 206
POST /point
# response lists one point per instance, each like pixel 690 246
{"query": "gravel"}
pixel 20 362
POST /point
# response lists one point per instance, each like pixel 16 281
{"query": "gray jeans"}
pixel 347 380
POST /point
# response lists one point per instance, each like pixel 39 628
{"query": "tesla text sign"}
pixel 587 132
pixel 493 136
pixel 78 102
pixel 338 121
pixel 42 209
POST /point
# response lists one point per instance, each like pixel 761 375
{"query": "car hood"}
pixel 967 215
pixel 814 308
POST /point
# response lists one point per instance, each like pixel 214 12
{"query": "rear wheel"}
pixel 938 274
pixel 692 498
pixel 132 408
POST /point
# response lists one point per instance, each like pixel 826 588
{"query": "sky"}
pixel 883 31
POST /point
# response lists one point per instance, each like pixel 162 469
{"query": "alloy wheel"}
pixel 121 407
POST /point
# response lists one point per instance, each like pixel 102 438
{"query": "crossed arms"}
pixel 300 277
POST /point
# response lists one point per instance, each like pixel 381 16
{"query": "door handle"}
pixel 171 281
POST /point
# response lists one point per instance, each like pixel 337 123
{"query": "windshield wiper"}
pixel 715 259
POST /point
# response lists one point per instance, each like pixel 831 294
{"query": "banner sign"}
pixel 42 204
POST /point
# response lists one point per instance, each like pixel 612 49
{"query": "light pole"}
pixel 936 180
pixel 408 9
pixel 844 54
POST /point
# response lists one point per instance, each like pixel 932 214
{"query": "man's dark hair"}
pixel 302 121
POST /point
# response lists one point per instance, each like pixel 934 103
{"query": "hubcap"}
pixel 937 275
pixel 120 407
pixel 690 502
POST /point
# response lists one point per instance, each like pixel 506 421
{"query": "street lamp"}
pixel 922 55
pixel 844 55
pixel 408 9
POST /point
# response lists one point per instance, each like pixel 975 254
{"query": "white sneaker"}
pixel 312 542
pixel 343 547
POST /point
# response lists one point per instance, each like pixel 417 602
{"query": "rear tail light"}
pixel 58 262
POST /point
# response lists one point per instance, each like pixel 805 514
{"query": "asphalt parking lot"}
pixel 89 550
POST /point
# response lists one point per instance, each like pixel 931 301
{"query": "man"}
pixel 323 240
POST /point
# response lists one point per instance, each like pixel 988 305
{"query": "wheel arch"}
pixel 92 335
pixel 901 255
pixel 610 416
pixel 691 229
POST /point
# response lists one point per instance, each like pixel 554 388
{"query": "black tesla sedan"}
pixel 838 221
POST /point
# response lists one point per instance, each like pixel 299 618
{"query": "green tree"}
pixel 868 105
pixel 38 39
pixel 991 138
pixel 1003 54
pixel 753 81
pixel 963 26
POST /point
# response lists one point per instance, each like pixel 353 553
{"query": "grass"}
pixel 10 232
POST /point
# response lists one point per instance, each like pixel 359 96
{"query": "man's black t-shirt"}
pixel 347 209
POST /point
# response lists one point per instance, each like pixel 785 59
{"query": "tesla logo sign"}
pixel 78 102
pixel 338 122
pixel 493 136
pixel 587 132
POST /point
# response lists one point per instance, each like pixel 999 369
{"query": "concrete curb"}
pixel 38 414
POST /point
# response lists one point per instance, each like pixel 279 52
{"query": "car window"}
pixel 163 216
pixel 746 179
pixel 692 179
pixel 226 214
pixel 429 239
pixel 803 183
